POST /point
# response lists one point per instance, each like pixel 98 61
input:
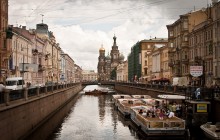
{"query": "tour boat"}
pixel 119 96
pixel 152 125
pixel 125 104
pixel 96 92
pixel 212 131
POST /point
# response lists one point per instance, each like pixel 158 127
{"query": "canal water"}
pixel 95 118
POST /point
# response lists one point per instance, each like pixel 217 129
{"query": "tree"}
pixel 113 74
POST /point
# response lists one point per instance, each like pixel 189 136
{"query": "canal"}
pixel 94 118
pixel 89 117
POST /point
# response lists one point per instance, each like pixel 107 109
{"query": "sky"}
pixel 81 27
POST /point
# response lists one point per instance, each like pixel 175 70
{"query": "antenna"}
pixel 42 18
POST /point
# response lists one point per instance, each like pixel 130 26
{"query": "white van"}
pixel 15 83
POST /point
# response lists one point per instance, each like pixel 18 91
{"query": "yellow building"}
pixel 152 62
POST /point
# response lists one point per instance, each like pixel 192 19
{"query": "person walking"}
pixel 2 87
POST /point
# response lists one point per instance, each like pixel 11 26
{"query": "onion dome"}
pixel 121 56
pixel 108 57
pixel 102 48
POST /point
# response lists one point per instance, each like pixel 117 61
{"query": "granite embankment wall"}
pixel 125 89
pixel 20 118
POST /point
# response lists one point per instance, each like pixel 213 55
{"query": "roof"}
pixel 177 97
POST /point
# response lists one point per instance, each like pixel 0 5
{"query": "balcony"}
pixel 177 62
pixel 34 51
pixel 185 61
pixel 41 68
pixel 198 58
pixel 170 64
pixel 184 45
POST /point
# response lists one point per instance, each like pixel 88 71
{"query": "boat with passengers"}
pixel 155 122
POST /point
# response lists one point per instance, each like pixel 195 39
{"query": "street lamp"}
pixel 22 49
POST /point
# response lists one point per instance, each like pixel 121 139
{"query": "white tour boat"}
pixel 125 104
pixel 153 124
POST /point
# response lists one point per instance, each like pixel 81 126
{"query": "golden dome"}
pixel 102 48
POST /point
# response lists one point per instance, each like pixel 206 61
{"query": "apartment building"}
pixel 144 61
pixel 89 75
pixel 4 50
pixel 122 72
pixel 178 38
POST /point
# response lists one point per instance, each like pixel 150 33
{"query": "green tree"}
pixel 113 74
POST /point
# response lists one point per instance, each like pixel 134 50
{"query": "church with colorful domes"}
pixel 107 64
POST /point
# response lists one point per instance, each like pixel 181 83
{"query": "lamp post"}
pixel 22 49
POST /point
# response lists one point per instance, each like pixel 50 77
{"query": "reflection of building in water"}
pixel 101 104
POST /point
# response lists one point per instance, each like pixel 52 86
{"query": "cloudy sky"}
pixel 82 26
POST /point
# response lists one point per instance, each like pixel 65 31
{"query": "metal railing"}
pixel 8 96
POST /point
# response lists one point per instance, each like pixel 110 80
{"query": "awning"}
pixel 176 97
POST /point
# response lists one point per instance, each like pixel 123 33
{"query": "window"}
pixel 145 62
pixel 145 54
pixel 145 71
pixel 171 44
pixel 171 33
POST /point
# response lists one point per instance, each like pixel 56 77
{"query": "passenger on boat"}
pixel 170 114
pixel 161 114
pixel 140 111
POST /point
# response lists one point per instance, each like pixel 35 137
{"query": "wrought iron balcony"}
pixel 184 44
pixel 34 51
pixel 170 64
pixel 177 62
pixel 185 61
pixel 41 68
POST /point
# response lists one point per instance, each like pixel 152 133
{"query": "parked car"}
pixel 15 83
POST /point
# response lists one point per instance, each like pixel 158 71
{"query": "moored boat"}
pixel 95 92
pixel 119 96
pixel 155 124
pixel 212 131
pixel 125 104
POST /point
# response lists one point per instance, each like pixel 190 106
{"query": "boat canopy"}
pixel 175 97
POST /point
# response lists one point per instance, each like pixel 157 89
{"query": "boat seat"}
pixel 212 128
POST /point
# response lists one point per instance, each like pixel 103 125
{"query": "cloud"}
pixel 81 26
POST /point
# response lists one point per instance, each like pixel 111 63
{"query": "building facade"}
pixel 144 61
pixel 194 39
pixel 122 72
pixel 4 49
pixel 89 75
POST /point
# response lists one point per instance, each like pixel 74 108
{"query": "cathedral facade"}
pixel 107 63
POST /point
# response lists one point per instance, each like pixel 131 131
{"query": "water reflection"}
pixel 93 117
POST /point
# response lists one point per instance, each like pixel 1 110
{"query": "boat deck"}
pixel 156 122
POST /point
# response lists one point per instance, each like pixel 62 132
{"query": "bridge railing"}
pixel 8 96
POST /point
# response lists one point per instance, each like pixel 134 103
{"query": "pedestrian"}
pixel 198 94
pixel 2 87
